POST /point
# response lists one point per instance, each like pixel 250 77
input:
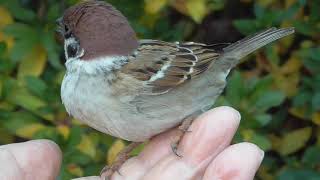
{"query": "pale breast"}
pixel 91 100
pixel 121 109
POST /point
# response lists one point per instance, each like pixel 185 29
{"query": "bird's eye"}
pixel 66 29
pixel 72 50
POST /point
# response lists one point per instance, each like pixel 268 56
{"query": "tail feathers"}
pixel 251 43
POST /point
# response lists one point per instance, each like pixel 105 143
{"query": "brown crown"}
pixel 101 29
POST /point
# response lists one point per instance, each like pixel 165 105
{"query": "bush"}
pixel 277 89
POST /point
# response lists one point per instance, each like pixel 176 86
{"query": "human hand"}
pixel 32 160
pixel 206 151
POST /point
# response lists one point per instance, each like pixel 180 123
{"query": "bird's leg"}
pixel 183 128
pixel 122 157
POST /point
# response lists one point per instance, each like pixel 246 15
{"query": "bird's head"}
pixel 95 29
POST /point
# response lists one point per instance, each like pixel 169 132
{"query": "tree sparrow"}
pixel 135 89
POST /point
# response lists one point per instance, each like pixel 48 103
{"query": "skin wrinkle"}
pixel 19 171
pixel 193 164
pixel 222 136
pixel 30 166
pixel 234 155
pixel 163 142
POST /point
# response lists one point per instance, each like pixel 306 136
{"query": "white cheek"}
pixel 96 66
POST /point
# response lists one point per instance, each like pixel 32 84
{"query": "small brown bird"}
pixel 135 89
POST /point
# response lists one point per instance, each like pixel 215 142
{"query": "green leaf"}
pixel 294 141
pixel 234 88
pixel 19 120
pixel 19 12
pixel 246 26
pixel 3 47
pixel 78 157
pixel 305 27
pixel 74 138
pixel 49 133
pixel 23 98
pixel 263 119
pixel 20 31
pixel 312 156
pixel 54 12
pixel 20 49
pixel 269 99
pixel 52 49
pixel 26 38
pixel 259 88
pixel 316 101
pixel 302 98
pixel 36 85
pixel 298 174
pixel 262 141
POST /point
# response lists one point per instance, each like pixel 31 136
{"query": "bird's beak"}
pixel 59 21
pixel 60 27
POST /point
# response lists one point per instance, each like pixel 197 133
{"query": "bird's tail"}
pixel 245 46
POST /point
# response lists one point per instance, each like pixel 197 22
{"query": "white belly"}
pixel 90 100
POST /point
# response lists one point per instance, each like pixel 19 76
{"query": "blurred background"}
pixel 277 89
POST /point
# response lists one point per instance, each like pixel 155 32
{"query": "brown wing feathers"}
pixel 166 65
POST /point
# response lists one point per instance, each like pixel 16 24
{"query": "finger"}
pixel 9 166
pixel 210 134
pixel 156 149
pixel 38 159
pixel 237 162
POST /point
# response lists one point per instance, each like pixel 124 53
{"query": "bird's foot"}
pixel 183 128
pixel 122 157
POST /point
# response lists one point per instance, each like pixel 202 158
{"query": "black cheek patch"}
pixel 71 50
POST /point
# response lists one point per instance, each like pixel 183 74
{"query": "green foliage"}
pixel 276 89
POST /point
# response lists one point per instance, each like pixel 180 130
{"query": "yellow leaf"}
pixel 5 136
pixel 293 65
pixel 287 76
pixel 294 141
pixel 29 130
pixel 6 106
pixel 22 97
pixel 75 170
pixel 153 7
pixel 180 5
pixel 116 147
pixel 6 17
pixel 275 140
pixel 247 134
pixel 298 112
pixel 5 20
pixel 265 173
pixel 87 147
pixel 289 3
pixel 197 9
pixel 265 3
pixel 64 131
pixel 316 118
pixel 34 63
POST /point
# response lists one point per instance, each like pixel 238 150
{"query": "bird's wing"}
pixel 163 66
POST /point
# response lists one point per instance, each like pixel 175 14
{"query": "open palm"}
pixel 207 154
